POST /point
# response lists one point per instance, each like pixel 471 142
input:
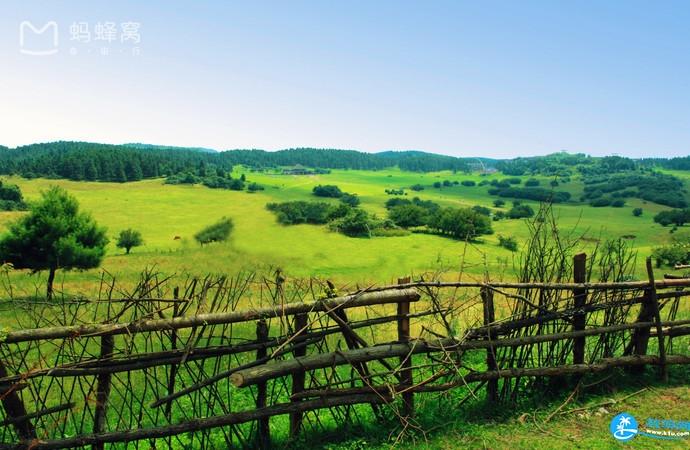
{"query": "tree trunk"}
pixel 51 278
pixel 127 250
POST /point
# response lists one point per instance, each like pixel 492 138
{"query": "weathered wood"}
pixel 353 341
pixel 41 413
pixel 579 302
pixel 263 438
pixel 406 377
pixel 330 304
pixel 558 371
pixel 102 391
pixel 301 323
pixel 201 424
pixel 15 410
pixel 263 372
pixel 620 285
pixel 663 371
pixel 604 364
pixel 164 358
pixel 489 318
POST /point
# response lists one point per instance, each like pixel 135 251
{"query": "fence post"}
pixel 301 322
pixel 406 379
pixel 640 338
pixel 263 430
pixel 103 391
pixel 580 301
pixel 489 318
pixel 654 300
pixel 14 407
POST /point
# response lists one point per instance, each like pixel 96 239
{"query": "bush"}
pixel 350 199
pixel 468 183
pixel 513 180
pixel 417 187
pixel 678 252
pixel 509 243
pixel 498 203
pixel 327 191
pixel 354 224
pixel 532 182
pixel 600 202
pixel 618 203
pixel 253 187
pixel 637 212
pixel 219 231
pixel 483 210
pixel 409 215
pixel 520 211
pixel 534 193
pixel 437 184
pixel 674 216
pixel 462 223
pixel 447 183
pixel 292 213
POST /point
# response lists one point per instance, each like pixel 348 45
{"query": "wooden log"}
pixel 34 415
pixel 331 304
pixel 556 371
pixel 301 324
pixel 663 372
pixel 353 341
pixel 250 376
pixel 406 377
pixel 594 286
pixel 489 318
pixel 200 424
pixel 604 364
pixel 15 410
pixel 263 438
pixel 153 359
pixel 102 391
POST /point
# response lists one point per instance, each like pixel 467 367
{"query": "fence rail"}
pixel 204 363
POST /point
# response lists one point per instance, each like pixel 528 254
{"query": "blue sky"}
pixel 490 78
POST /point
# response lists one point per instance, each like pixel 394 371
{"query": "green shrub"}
pixel 327 190
pixel 508 242
pixel 219 231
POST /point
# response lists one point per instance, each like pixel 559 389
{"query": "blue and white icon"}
pixel 623 427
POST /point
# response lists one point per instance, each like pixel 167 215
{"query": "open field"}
pixel 162 212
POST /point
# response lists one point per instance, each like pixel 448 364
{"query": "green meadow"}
pixel 169 215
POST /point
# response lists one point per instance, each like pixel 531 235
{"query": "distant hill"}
pixel 134 161
pixel 169 147
pixel 131 162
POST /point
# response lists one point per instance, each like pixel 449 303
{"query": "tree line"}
pixel 132 162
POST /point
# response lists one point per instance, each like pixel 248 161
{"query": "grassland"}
pixel 162 212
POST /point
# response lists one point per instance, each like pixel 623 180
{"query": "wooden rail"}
pixel 320 359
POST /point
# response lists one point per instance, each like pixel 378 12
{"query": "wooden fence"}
pixel 200 368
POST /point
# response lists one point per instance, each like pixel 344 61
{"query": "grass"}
pixel 536 422
pixel 163 212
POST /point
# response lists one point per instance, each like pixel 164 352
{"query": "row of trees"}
pixel 132 162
